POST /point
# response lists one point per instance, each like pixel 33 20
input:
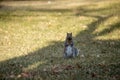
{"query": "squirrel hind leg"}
pixel 78 52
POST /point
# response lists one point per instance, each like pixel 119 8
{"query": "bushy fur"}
pixel 70 50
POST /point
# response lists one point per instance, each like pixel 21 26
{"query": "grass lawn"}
pixel 32 35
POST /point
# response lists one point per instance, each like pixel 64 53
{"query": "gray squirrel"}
pixel 69 49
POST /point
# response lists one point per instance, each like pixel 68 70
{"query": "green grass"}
pixel 32 38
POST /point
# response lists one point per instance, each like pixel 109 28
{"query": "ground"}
pixel 32 35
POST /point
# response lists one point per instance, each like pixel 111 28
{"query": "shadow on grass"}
pixel 110 29
pixel 46 56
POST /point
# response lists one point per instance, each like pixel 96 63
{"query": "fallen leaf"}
pixel 19 76
pixel 117 77
pixel 56 69
pixel 78 66
pixel 12 76
pixel 106 70
pixel 101 64
pixel 69 67
pixel 25 74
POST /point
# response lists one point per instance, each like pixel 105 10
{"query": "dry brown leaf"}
pixel 56 70
pixel 25 74
pixel 78 66
pixel 101 64
pixel 69 67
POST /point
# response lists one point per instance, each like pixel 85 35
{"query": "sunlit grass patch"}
pixel 109 29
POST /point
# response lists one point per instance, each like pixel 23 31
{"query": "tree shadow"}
pixel 110 29
pixel 42 56
pixel 108 48
pixel 53 54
